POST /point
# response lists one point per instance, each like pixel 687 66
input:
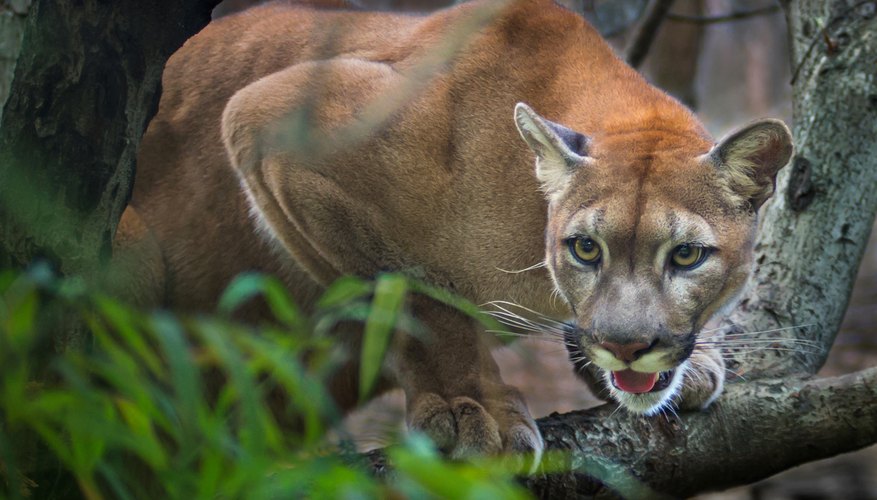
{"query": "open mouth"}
pixel 639 383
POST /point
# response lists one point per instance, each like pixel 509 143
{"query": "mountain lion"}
pixel 311 143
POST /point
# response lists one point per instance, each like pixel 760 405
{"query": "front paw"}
pixel 704 380
pixel 463 427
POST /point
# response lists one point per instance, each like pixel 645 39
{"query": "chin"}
pixel 662 396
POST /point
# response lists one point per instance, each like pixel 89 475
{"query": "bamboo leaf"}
pixel 389 298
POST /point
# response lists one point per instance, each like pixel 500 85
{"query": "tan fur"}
pixel 323 125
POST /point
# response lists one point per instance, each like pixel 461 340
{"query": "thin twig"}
pixel 642 40
pixel 731 16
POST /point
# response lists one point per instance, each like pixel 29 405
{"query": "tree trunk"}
pixel 12 18
pixel 85 84
pixel 813 234
pixel 672 62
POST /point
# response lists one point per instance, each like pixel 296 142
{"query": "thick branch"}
pixel 756 430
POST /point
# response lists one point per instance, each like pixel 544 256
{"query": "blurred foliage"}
pixel 138 413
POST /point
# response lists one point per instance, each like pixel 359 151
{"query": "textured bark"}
pixel 85 85
pixel 814 232
pixel 757 429
pixel 12 18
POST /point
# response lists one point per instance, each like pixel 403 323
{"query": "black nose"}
pixel 627 352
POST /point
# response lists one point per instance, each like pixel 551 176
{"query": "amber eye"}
pixel 585 250
pixel 687 256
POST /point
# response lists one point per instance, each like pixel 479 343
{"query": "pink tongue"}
pixel 635 382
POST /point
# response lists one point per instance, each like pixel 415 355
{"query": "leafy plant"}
pixel 160 406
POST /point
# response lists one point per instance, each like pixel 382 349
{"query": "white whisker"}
pixel 779 349
pixel 670 407
pixel 512 319
pixel 503 333
pixel 502 304
pixel 771 330
pixel 752 334
pixel 744 342
pixel 553 297
pixel 615 410
pixel 535 266
pixel 714 329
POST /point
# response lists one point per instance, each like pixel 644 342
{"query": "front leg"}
pixel 352 209
pixel 453 389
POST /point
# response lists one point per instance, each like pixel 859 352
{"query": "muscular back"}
pixel 455 128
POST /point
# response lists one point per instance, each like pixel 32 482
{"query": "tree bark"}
pixel 647 30
pixel 672 62
pixel 757 429
pixel 12 18
pixel 813 234
pixel 85 85
pixel 86 82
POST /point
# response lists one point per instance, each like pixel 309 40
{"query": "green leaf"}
pixel 351 311
pixel 457 302
pixel 184 377
pixel 257 432
pixel 127 324
pixel 148 446
pixel 282 306
pixel 242 289
pixel 343 291
pixel 247 286
pixel 21 320
pixel 390 293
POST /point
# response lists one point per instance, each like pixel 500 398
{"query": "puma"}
pixel 311 143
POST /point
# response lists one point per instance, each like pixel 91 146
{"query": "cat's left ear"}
pixel 750 158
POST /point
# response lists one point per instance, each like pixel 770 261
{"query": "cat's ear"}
pixel 750 158
pixel 559 150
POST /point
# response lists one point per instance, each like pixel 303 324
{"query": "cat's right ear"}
pixel 559 150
